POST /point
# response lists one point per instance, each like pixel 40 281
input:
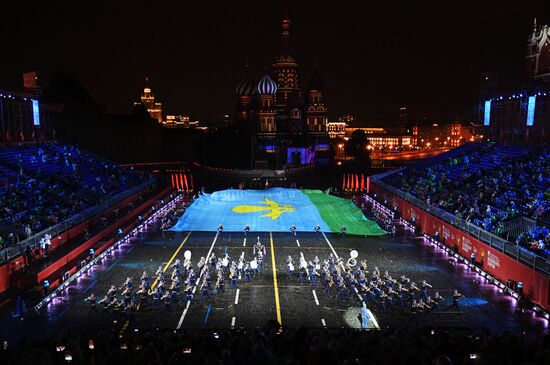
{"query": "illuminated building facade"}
pixel 445 135
pixel 282 117
pixel 336 129
pixel 148 100
pixel 383 137
pixel 180 121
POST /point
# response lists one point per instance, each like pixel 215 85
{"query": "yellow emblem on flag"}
pixel 274 209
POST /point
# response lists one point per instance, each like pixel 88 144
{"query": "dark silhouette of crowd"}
pixel 48 183
pixel 488 188
pixel 268 346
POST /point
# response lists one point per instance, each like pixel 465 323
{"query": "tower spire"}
pixel 285 31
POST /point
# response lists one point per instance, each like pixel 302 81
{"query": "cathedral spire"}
pixel 285 31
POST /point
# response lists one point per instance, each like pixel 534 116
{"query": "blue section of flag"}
pixel 209 210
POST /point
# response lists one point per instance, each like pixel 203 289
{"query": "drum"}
pixel 254 264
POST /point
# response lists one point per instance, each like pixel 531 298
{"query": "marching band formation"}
pixel 345 279
pixel 180 286
pixel 337 277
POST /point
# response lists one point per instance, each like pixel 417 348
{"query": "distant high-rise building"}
pixel 148 100
pixel 402 115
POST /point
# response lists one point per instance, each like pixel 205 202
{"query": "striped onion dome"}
pixel 246 87
pixel 267 86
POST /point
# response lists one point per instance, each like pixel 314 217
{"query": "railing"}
pixel 511 249
pixel 251 174
pixel 514 227
pixel 19 249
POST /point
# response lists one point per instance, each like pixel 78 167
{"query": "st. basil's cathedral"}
pixel 287 127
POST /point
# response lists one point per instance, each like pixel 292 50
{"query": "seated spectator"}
pixel 52 183
pixel 485 188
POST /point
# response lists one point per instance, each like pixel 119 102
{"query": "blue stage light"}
pixel 35 112
pixel 531 110
pixel 487 115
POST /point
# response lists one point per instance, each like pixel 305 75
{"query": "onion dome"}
pixel 247 87
pixel 315 82
pixel 267 86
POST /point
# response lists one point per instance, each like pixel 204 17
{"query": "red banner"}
pixel 185 180
pixel 343 181
pixel 177 182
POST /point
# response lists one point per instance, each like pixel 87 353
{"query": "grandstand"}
pixel 59 202
pixel 502 189
pixel 485 203
pixel 47 183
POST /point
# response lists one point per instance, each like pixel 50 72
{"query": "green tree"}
pixel 356 147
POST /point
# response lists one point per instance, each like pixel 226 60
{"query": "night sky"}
pixel 374 55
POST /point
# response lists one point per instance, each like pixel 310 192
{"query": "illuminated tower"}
pixel 285 69
pixel 148 100
pixel 267 89
pixel 538 53
pixel 316 111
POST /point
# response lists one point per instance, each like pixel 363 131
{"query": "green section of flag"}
pixel 338 212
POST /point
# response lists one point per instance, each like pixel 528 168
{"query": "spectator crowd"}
pixel 268 346
pixel 51 182
pixel 488 188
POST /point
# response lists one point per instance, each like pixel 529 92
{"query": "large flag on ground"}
pixel 275 210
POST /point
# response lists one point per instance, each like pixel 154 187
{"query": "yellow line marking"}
pixel 164 270
pixel 171 259
pixel 275 286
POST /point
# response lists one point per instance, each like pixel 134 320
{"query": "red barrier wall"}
pixel 7 269
pixel 79 228
pixel 84 247
pixel 535 285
